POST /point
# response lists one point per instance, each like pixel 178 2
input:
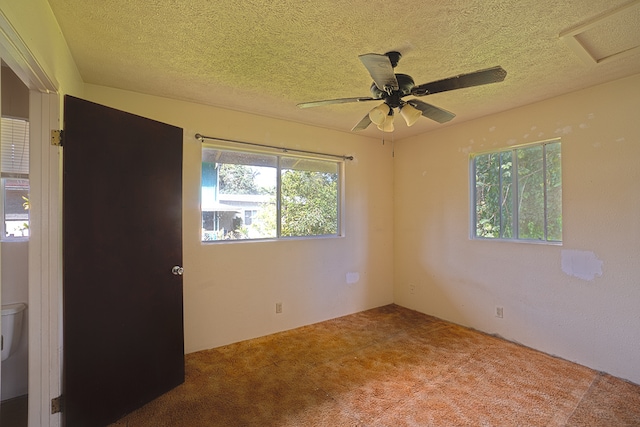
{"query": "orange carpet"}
pixel 388 366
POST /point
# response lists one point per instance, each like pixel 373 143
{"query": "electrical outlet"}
pixel 278 307
pixel 412 289
pixel 499 312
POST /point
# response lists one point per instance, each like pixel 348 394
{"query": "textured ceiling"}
pixel 265 56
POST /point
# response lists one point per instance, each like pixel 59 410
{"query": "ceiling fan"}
pixel 391 88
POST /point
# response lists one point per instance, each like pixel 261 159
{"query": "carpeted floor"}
pixel 388 367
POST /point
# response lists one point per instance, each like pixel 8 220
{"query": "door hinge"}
pixel 57 404
pixel 57 138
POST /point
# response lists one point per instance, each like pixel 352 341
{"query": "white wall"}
pixel 593 321
pixel 35 24
pixel 231 289
pixel 15 281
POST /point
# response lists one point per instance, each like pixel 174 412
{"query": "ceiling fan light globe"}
pixel 387 126
pixel 379 114
pixel 410 114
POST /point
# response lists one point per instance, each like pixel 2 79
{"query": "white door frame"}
pixel 45 272
pixel 45 254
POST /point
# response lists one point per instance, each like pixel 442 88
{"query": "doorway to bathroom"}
pixel 14 247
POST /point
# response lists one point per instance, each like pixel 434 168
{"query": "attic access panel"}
pixel 607 37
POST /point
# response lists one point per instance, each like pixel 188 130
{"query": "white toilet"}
pixel 11 328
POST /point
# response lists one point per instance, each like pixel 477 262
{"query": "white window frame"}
pixel 472 192
pixel 340 193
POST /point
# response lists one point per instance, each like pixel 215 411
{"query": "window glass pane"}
pixel 15 176
pixel 519 187
pixel 487 191
pixel 238 195
pixel 16 207
pixel 309 197
pixel 506 194
pixel 554 191
pixel 530 193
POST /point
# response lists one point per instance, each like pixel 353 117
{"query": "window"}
pixel 517 193
pixel 249 215
pixel 247 195
pixel 14 157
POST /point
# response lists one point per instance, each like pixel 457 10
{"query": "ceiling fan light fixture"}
pixel 410 114
pixel 387 125
pixel 379 114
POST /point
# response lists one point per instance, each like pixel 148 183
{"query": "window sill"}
pixel 533 242
pixel 14 239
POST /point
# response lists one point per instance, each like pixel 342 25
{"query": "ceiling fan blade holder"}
pixel 477 78
pixel 431 111
pixel 381 71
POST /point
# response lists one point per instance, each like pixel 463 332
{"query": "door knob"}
pixel 177 270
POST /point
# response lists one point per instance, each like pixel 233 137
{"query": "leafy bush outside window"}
pixel 517 193
pixel 247 195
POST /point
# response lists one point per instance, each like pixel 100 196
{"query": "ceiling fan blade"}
pixel 477 78
pixel 335 101
pixel 431 111
pixel 362 124
pixel 381 71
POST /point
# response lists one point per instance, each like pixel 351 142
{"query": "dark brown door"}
pixel 122 234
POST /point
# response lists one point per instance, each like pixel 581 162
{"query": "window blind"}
pixel 14 147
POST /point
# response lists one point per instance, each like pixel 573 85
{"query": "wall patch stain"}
pixel 584 265
pixel 565 130
pixel 352 277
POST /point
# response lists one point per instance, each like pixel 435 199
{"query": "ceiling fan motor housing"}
pixel 405 85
